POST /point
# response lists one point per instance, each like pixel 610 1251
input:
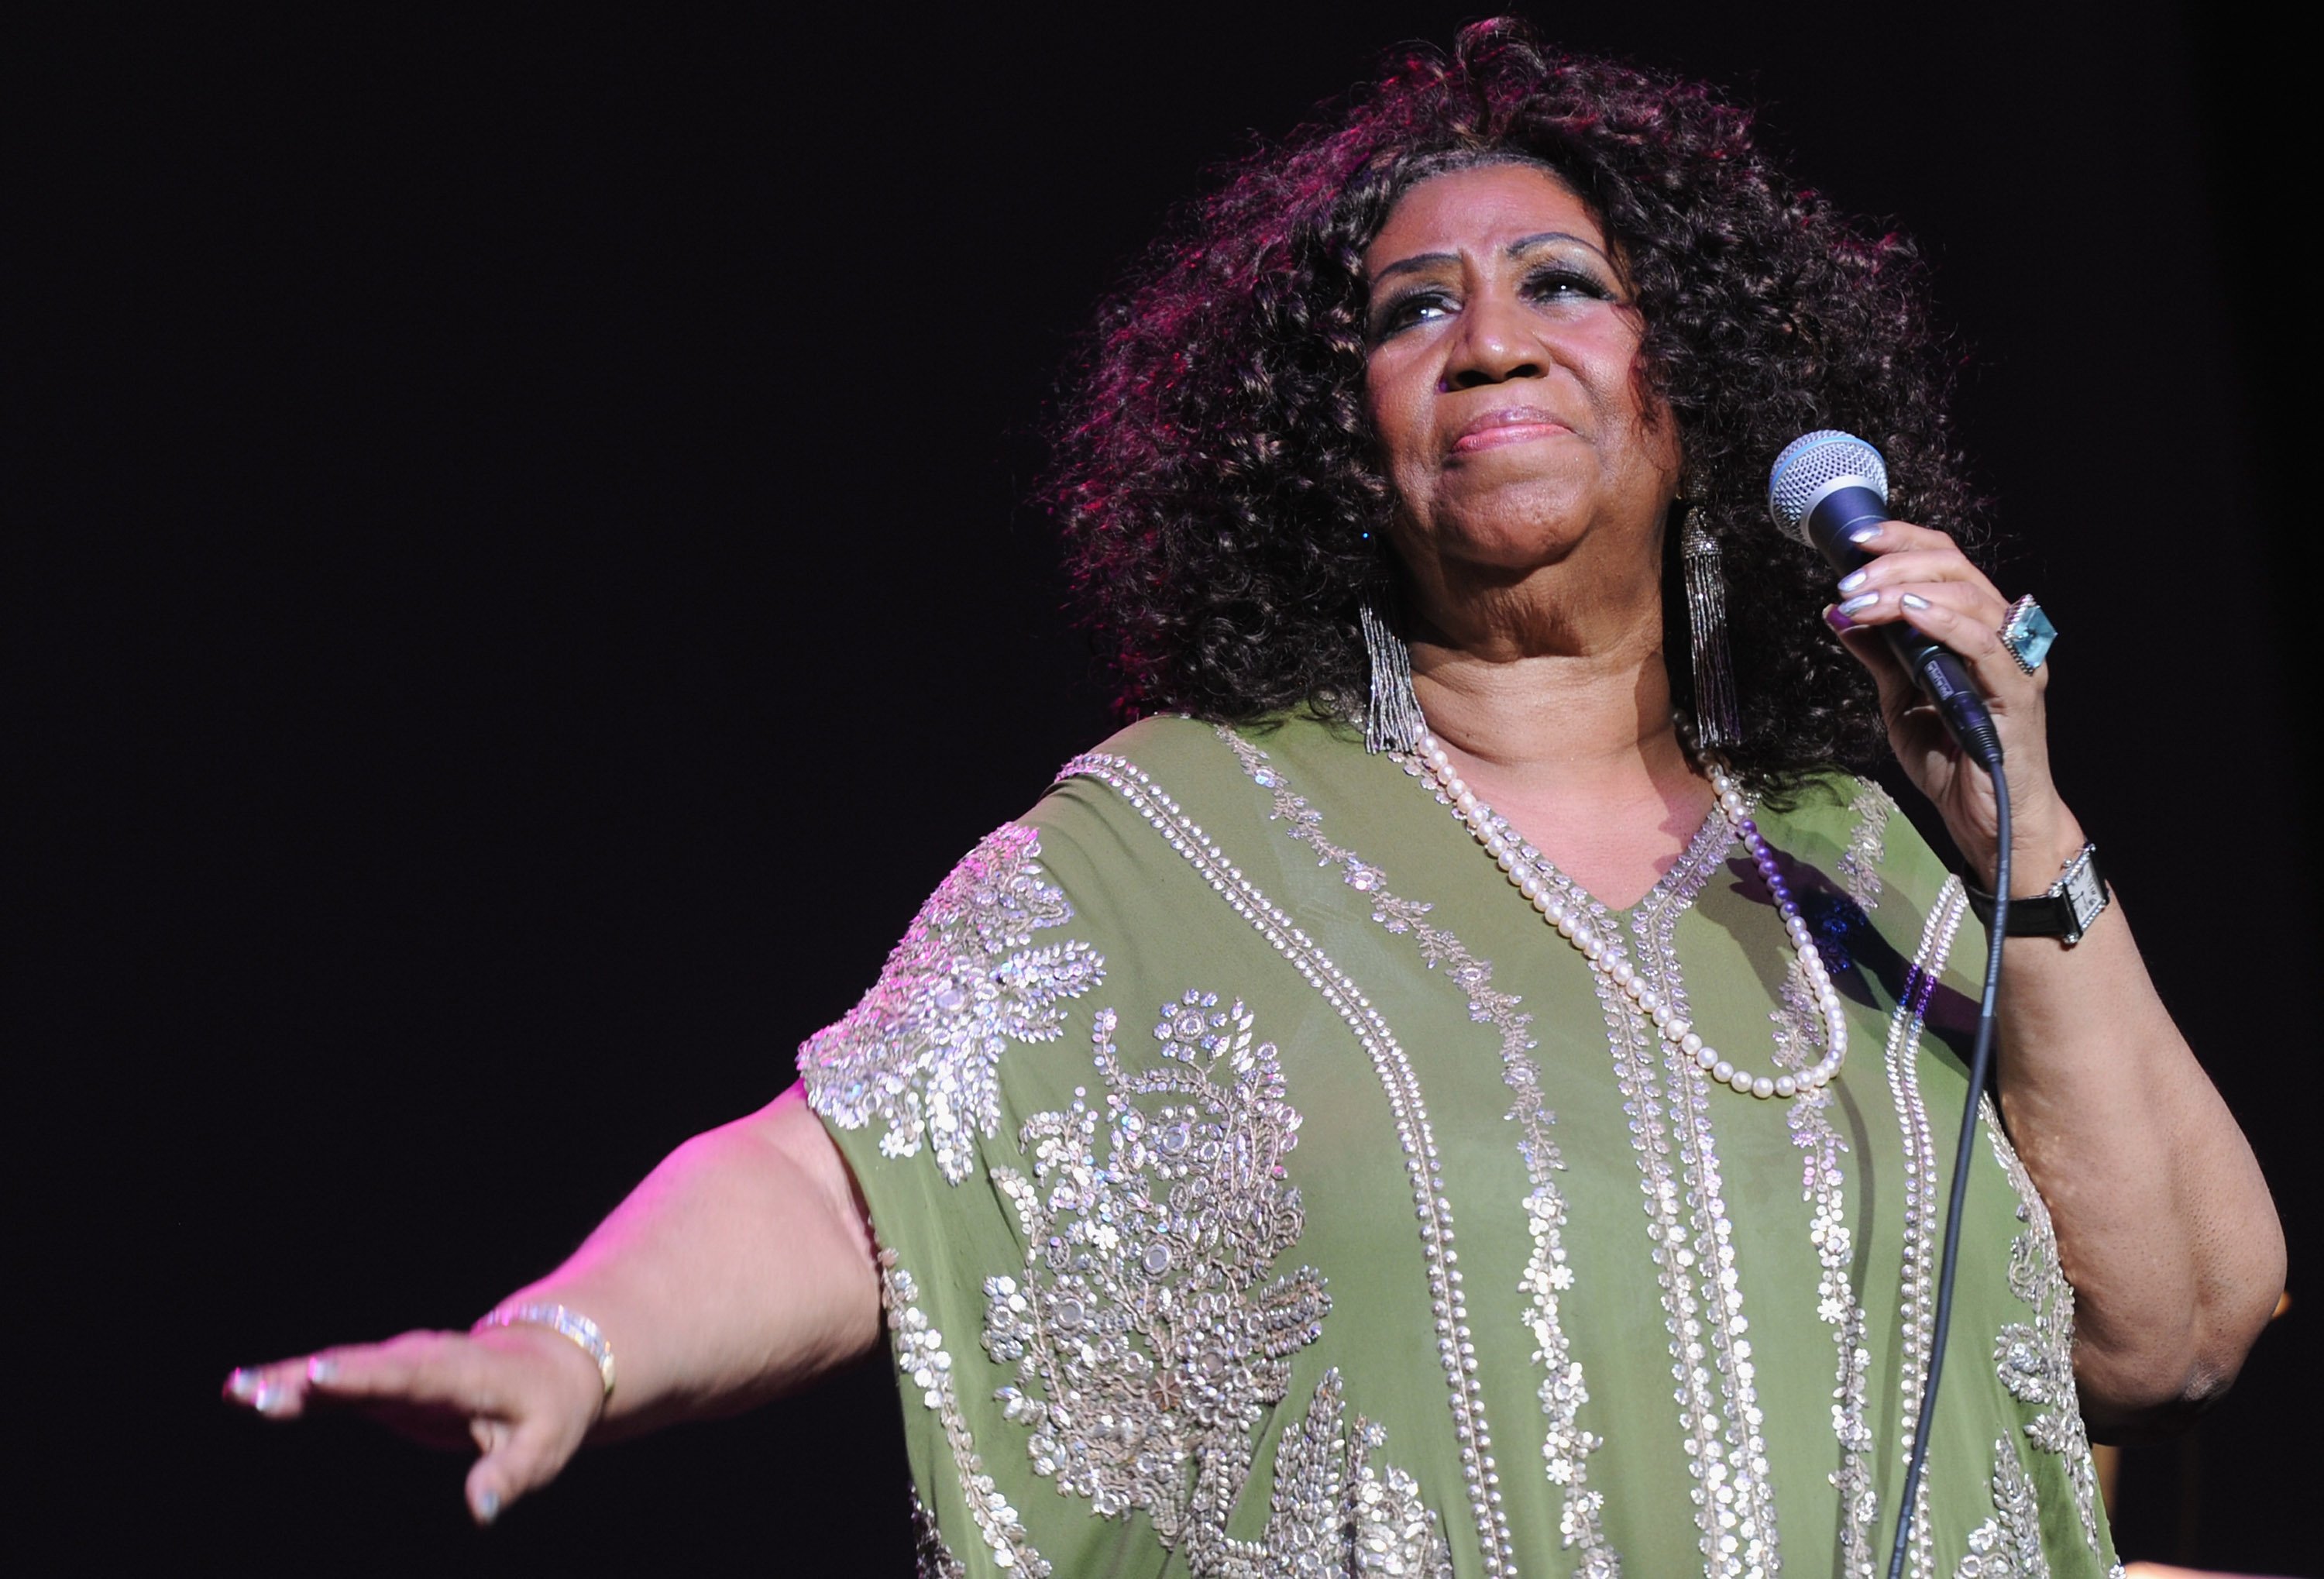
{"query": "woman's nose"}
pixel 1495 344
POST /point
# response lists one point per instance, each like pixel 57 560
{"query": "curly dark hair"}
pixel 1218 479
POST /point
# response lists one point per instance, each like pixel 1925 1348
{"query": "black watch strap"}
pixel 2064 911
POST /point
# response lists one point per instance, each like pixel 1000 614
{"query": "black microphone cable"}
pixel 1981 1068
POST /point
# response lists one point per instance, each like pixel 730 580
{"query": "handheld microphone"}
pixel 1824 485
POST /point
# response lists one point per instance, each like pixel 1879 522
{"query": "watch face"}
pixel 2086 894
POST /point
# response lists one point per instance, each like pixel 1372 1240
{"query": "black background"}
pixel 519 581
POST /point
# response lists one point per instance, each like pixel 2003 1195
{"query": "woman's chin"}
pixel 1508 545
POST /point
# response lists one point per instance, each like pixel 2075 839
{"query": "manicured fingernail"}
pixel 242 1383
pixel 488 1506
pixel 322 1368
pixel 1913 600
pixel 269 1400
pixel 1863 534
pixel 1851 581
pixel 1858 605
pixel 1837 620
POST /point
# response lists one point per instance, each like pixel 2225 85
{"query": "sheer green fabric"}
pixel 1265 1188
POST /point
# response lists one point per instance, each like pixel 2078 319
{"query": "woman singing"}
pixel 1466 1084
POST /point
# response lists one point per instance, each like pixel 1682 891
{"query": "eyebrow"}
pixel 1523 243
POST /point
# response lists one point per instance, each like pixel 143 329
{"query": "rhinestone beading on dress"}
pixel 920 1054
pixel 1823 1184
pixel 1736 1477
pixel 1432 1207
pixel 2035 1359
pixel 2007 1546
pixel 921 1360
pixel 1916 1295
pixel 1548 1275
pixel 1147 1331
pixel 1860 863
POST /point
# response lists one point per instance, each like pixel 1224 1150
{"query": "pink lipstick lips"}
pixel 1510 425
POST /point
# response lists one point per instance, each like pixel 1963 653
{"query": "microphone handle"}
pixel 1936 668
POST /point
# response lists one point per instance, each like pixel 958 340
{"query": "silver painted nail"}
pixel 1913 600
pixel 1851 581
pixel 322 1368
pixel 1855 606
pixel 1863 534
pixel 488 1506
pixel 242 1383
pixel 269 1398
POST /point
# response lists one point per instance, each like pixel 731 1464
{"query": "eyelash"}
pixel 1550 279
pixel 1573 276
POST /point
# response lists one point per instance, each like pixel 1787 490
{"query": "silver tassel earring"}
pixel 1393 721
pixel 1718 714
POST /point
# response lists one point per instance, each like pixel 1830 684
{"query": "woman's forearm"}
pixel 741 1269
pixel 2165 1227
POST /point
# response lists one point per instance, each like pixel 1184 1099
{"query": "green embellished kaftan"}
pixel 1264 1188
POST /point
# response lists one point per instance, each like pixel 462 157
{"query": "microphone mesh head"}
pixel 1812 463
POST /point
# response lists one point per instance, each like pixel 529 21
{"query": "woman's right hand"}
pixel 522 1397
pixel 678 1279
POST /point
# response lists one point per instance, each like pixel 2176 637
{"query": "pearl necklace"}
pixel 1549 892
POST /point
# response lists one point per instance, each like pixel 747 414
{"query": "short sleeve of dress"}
pixel 968 1091
pixel 909 1085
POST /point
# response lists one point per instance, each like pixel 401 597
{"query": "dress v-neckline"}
pixel 1680 878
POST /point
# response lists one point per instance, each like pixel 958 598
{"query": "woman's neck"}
pixel 1554 675
pixel 1575 747
pixel 1554 719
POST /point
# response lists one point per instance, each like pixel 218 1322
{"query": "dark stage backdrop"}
pixel 520 581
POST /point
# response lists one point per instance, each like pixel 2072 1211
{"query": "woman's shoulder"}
pixel 1100 794
pixel 1208 768
pixel 1177 745
pixel 1108 885
pixel 1174 792
pixel 1158 744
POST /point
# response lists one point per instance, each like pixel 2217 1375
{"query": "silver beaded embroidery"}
pixel 2007 1546
pixel 1735 1474
pixel 1416 1137
pixel 1916 1295
pixel 919 1052
pixel 921 1361
pixel 1859 862
pixel 2036 1359
pixel 931 1558
pixel 1799 1043
pixel 1566 1447
pixel 1632 1040
pixel 1147 1342
pixel 1332 1514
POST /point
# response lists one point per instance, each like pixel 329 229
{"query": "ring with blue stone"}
pixel 2028 633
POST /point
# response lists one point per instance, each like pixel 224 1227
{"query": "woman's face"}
pixel 1500 376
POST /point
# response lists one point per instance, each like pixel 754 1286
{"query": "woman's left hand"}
pixel 1920 577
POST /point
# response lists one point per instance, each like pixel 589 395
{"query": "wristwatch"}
pixel 2065 912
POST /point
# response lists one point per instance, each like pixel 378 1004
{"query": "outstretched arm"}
pixel 2165 1227
pixel 739 1270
